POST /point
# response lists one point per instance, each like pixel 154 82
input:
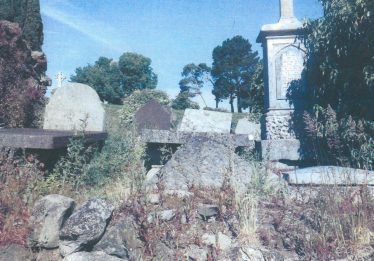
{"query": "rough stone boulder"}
pixel 122 240
pixel 91 256
pixel 85 226
pixel 14 252
pixel 47 217
pixel 206 163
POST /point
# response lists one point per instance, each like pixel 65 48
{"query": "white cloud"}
pixel 82 23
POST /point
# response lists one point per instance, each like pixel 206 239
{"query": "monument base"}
pixel 277 150
pixel 277 125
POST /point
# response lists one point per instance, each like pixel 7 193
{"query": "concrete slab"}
pixel 275 150
pixel 43 139
pixel 205 121
pixel 252 129
pixel 329 175
pixel 180 137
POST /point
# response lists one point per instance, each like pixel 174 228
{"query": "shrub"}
pixel 326 223
pixel 22 82
pixel 20 175
pixel 72 168
pixel 340 50
pixel 183 101
pixel 342 142
pixel 139 98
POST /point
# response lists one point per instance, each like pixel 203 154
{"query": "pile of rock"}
pixel 60 232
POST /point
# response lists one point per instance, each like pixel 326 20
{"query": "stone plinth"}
pixel 43 139
pixel 285 81
pixel 180 137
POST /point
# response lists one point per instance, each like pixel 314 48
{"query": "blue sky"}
pixel 172 33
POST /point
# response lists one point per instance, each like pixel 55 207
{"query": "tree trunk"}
pixel 217 101
pixel 238 104
pixel 232 104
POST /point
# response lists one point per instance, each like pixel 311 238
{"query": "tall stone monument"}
pixel 284 56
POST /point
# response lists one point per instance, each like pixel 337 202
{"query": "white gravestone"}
pixel 205 121
pixel 74 106
pixel 253 130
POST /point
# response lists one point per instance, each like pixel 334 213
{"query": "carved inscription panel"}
pixel 289 65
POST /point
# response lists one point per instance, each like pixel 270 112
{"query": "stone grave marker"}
pixel 253 130
pixel 153 116
pixel 74 106
pixel 206 121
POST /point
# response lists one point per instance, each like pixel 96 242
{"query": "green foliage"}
pixel 139 98
pixel 137 72
pixel 72 169
pixel 122 155
pixel 183 101
pixel 112 80
pixel 342 142
pixel 341 57
pixel 235 72
pixel 194 78
pixel 105 77
pixel 253 96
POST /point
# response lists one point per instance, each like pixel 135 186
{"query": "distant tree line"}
pixel 114 80
pixel 236 73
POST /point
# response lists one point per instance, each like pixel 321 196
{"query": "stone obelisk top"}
pixel 286 9
pixel 287 21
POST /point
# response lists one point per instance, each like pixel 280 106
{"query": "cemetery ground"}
pixel 142 220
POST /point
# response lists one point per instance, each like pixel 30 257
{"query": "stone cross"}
pixel 286 9
pixel 60 78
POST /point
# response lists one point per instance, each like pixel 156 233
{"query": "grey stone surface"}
pixel 205 121
pixel 196 253
pixel 287 20
pixel 43 139
pixel 46 220
pixel 205 163
pixel 282 149
pixel 252 129
pixel 14 252
pixel 85 226
pixel 74 106
pixel 91 256
pixel 47 255
pixel 207 211
pixel 220 241
pixel 153 116
pixel 329 175
pixel 164 215
pixel 251 254
pixel 180 137
pixel 122 240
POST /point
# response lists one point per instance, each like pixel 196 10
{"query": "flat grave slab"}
pixel 329 175
pixel 43 139
pixel 181 137
pixel 205 121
